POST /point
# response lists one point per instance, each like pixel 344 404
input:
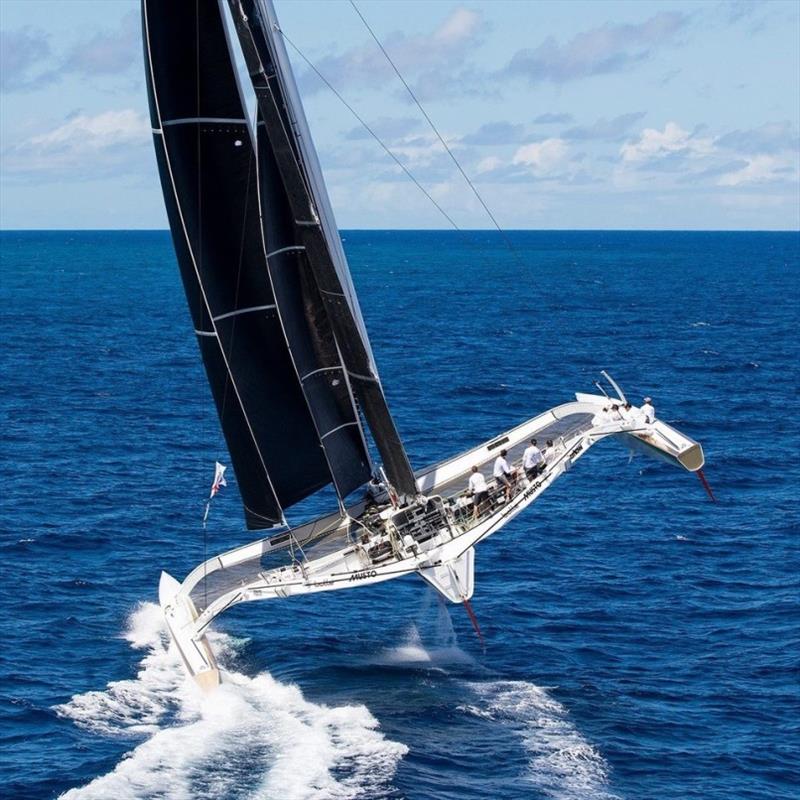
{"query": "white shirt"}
pixel 501 467
pixel 531 457
pixel 477 483
pixel 628 417
pixel 649 413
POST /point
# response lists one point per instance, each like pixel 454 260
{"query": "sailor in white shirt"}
pixel 601 417
pixel 479 491
pixel 503 473
pixel 532 460
pixel 628 419
pixel 648 411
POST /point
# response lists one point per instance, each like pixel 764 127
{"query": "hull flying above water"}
pixel 287 354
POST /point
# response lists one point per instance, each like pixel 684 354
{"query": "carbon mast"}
pixel 281 116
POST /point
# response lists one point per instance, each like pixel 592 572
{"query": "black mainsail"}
pixel 273 306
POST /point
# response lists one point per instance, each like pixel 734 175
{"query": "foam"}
pixel 252 738
pixel 562 764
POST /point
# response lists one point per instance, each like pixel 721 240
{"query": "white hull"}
pixel 445 558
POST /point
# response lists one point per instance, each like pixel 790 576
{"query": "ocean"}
pixel 641 642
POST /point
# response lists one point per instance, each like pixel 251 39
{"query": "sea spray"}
pixel 252 738
pixel 429 641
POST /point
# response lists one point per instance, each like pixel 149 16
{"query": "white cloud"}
pixel 543 157
pixel 86 144
pixel 460 25
pixel 653 144
pixel 759 169
pixel 96 132
pixel 488 164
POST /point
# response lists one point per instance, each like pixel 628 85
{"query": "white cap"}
pixel 648 399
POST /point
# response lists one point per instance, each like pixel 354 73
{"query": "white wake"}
pixel 257 738
pixel 562 764
pixel 253 738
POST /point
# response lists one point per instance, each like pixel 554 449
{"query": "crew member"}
pixel 627 414
pixel 503 473
pixel 532 460
pixel 479 491
pixel 648 411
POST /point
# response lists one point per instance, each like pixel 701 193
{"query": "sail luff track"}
pixel 291 150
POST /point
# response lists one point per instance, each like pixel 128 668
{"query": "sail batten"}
pixel 252 313
pixel 272 303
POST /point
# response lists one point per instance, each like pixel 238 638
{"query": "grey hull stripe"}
pixel 190 120
pixel 243 311
pixel 157 131
pixel 346 424
pixel 321 369
pixel 289 249
pixel 205 333
pixel 333 294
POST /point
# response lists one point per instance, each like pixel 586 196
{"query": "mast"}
pixel 272 361
pixel 289 148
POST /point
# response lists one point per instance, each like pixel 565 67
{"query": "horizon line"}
pixel 438 230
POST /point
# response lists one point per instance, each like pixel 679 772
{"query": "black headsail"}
pixel 272 360
pixel 285 140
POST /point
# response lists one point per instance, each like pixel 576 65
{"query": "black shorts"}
pixel 479 497
pixel 504 480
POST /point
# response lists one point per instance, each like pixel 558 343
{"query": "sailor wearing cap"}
pixel 532 460
pixel 503 473
pixel 648 411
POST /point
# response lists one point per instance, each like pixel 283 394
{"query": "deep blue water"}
pixel 641 642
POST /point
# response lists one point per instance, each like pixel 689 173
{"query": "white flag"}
pixel 219 479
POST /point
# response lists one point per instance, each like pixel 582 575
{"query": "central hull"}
pixel 433 537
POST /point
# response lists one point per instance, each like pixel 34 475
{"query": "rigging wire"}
pixel 434 128
pixel 200 249
pixel 369 130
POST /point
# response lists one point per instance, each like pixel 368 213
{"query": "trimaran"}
pixel 286 351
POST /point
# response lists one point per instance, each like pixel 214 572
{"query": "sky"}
pixel 565 115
